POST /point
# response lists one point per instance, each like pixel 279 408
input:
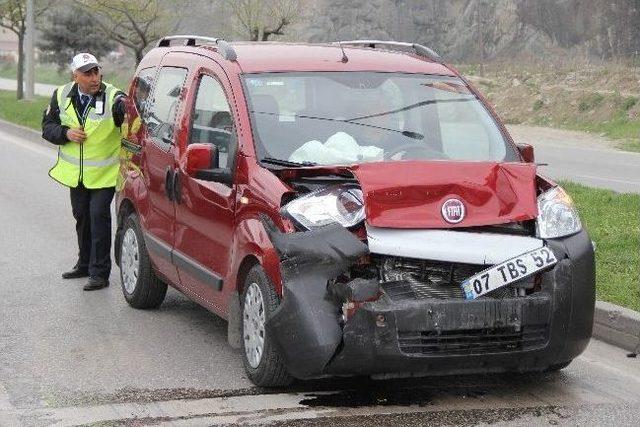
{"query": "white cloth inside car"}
pixel 340 148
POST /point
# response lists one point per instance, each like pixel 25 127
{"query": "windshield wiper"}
pixel 407 133
pixel 286 163
pixel 410 107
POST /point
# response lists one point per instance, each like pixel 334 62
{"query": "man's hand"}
pixel 76 135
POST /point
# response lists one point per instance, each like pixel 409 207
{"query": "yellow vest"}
pixel 95 162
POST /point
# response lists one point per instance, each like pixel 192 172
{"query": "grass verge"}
pixel 25 113
pixel 613 221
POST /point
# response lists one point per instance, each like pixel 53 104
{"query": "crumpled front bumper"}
pixel 531 333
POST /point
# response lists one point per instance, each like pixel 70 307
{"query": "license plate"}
pixel 507 272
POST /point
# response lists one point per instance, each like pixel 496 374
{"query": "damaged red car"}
pixel 353 208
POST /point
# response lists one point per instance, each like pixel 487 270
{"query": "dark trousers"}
pixel 92 212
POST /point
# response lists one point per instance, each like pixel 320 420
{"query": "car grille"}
pixel 472 341
pixel 413 279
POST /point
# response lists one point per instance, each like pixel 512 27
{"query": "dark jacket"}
pixel 54 132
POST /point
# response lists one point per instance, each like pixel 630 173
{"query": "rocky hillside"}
pixel 477 30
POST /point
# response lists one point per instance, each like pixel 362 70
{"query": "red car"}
pixel 350 208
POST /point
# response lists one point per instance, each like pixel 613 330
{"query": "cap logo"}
pixel 453 211
pixel 86 57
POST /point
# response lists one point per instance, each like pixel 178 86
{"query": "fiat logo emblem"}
pixel 453 211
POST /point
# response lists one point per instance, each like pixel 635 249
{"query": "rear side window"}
pixel 142 89
pixel 160 116
pixel 212 120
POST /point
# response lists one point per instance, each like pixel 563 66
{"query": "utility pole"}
pixel 29 53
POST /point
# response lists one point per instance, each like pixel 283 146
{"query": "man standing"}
pixel 83 119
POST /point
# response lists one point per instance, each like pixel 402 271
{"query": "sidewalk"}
pixel 40 88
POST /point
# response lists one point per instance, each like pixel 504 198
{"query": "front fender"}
pixel 252 240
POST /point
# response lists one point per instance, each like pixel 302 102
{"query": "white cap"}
pixel 84 62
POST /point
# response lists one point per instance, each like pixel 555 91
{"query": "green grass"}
pixel 590 101
pixel 538 105
pixel 25 113
pixel 613 221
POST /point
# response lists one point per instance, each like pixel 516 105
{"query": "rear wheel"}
pixel 140 286
pixel 261 357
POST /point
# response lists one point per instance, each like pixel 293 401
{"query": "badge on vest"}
pixel 99 107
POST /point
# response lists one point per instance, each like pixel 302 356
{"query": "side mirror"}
pixel 526 151
pixel 201 161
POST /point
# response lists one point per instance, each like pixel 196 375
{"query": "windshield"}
pixel 334 118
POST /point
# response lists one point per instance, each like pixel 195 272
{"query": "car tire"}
pixel 261 357
pixel 140 285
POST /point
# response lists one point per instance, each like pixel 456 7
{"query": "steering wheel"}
pixel 416 147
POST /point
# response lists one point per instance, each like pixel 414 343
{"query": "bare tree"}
pixel 262 19
pixel 132 23
pixel 13 15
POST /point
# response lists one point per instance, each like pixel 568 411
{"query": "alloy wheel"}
pixel 130 261
pixel 253 325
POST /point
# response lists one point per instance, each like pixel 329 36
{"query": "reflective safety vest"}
pixel 94 163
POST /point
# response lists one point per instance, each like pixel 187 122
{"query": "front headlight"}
pixel 557 215
pixel 342 204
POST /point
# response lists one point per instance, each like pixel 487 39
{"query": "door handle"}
pixel 175 186
pixel 168 183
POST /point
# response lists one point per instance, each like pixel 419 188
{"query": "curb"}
pixel 23 132
pixel 612 324
pixel 617 325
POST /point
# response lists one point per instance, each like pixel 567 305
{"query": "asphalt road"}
pixel 581 157
pixel 69 357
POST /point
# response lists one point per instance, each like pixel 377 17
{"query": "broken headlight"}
pixel 341 203
pixel 557 215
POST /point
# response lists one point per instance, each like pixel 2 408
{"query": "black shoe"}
pixel 95 283
pixel 75 273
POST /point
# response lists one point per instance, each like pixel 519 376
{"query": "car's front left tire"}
pixel 261 357
pixel 140 285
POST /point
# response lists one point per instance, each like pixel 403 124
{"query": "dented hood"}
pixel 411 194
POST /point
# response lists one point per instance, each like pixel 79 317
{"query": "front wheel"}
pixel 140 285
pixel 260 355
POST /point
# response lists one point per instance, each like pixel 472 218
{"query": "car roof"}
pixel 260 57
pixel 277 56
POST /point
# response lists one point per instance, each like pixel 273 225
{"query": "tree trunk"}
pixel 19 77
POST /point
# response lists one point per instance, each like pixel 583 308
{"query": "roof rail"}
pixel 225 49
pixel 417 48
